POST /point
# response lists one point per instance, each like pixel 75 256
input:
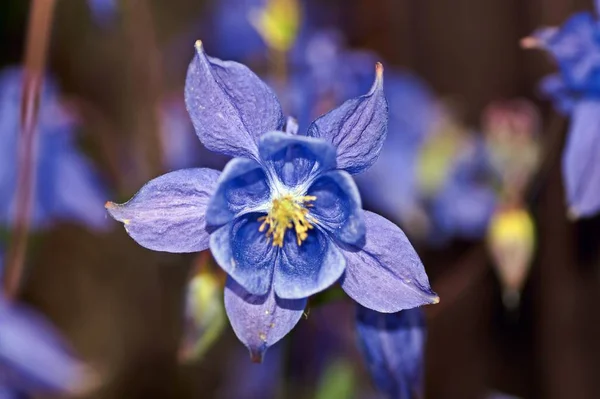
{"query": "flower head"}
pixel 576 91
pixel 284 218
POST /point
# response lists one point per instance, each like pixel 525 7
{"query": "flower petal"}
pixel 357 128
pixel 229 105
pixel 34 356
pixel 168 213
pixel 260 321
pixel 295 159
pixel 393 346
pixel 338 207
pixel 581 160
pixel 245 253
pixel 242 187
pixel 303 270
pixel 386 274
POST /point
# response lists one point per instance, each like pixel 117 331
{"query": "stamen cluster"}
pixel 288 212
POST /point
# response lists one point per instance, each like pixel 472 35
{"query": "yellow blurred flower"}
pixel 278 23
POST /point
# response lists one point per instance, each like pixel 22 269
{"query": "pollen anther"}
pixel 288 212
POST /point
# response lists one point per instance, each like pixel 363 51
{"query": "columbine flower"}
pixel 576 90
pixel 66 185
pixel 284 218
pixel 393 346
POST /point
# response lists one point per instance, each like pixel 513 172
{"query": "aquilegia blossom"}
pixel 576 90
pixel 284 218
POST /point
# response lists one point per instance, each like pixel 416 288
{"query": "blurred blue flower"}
pixel 413 113
pixel 104 12
pixel 393 346
pixel 33 356
pixel 466 201
pixel 66 185
pixel 576 90
pixel 284 218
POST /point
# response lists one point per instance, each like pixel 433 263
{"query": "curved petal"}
pixel 295 159
pixel 581 160
pixel 242 187
pixel 260 321
pixel 229 105
pixel 168 213
pixel 34 356
pixel 393 346
pixel 338 207
pixel 304 270
pixel 245 253
pixel 357 128
pixel 386 274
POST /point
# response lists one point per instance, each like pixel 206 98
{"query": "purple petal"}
pixel 245 253
pixel 304 270
pixel 295 160
pixel 581 160
pixel 338 207
pixel 386 274
pixel 357 128
pixel 260 321
pixel 168 213
pixel 33 355
pixel 242 188
pixel 229 105
pixel 393 346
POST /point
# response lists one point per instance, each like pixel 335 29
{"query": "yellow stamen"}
pixel 288 212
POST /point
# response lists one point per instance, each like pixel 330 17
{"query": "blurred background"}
pixel 473 144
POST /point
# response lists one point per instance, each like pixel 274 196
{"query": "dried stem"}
pixel 38 37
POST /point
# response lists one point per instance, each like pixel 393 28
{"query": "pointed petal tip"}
pixel 198 45
pixel 379 70
pixel 110 205
pixel 435 300
pixel 530 42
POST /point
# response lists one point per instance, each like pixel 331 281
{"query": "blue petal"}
pixel 304 270
pixel 295 159
pixel 576 49
pixel 357 128
pixel 229 105
pixel 260 321
pixel 33 355
pixel 242 187
pixel 168 213
pixel 393 346
pixel 581 160
pixel 554 87
pixel 386 274
pixel 338 207
pixel 245 253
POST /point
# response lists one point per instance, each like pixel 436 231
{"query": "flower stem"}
pixel 38 35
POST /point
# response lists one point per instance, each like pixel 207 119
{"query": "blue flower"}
pixel 576 91
pixel 393 346
pixel 34 359
pixel 67 187
pixel 284 218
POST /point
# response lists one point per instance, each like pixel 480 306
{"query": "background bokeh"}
pixel 122 305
